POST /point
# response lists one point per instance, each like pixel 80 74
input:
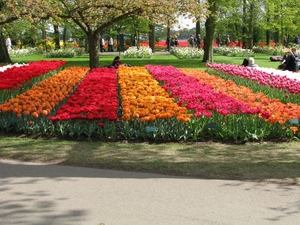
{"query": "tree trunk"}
pixel 93 39
pixel 56 37
pixel 44 37
pixel 4 56
pixel 268 33
pixel 251 22
pixel 152 37
pixel 65 36
pixel 210 25
pixel 198 28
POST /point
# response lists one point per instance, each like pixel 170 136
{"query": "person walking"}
pixel 8 43
pixel 219 41
pixel 191 41
pixel 134 41
pixel 199 39
pixel 110 44
pixel 228 40
pixel 102 44
pixel 168 42
pixel 285 42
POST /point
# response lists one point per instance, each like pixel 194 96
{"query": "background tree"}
pixel 210 25
pixel 94 17
pixel 12 10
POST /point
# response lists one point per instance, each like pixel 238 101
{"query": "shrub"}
pixel 138 52
pixel 187 52
pixel 61 53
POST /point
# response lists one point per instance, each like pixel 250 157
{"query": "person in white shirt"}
pixel 102 43
pixel 110 44
pixel 8 43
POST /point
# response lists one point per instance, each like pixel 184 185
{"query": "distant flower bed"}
pixel 234 51
pixel 65 53
pixel 138 52
pixel 5 67
pixel 270 50
pixel 15 77
pixel 16 53
pixel 187 52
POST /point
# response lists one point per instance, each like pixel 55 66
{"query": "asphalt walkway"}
pixel 46 194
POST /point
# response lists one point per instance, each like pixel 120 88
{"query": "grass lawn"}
pixel 157 59
pixel 270 162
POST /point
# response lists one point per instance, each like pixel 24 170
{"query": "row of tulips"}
pixel 272 110
pixel 259 76
pixel 146 110
pixel 18 78
pixel 13 77
pixel 29 111
pixel 197 96
pixel 95 98
pixel 143 98
pixel 212 94
pixel 3 68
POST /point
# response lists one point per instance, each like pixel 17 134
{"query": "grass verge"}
pixel 268 162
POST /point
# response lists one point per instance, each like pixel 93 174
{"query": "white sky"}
pixel 184 23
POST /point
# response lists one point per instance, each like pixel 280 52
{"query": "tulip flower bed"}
pixel 155 103
pixel 16 79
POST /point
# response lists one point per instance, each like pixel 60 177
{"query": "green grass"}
pixel 157 59
pixel 271 162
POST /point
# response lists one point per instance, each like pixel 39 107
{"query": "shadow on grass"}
pixel 257 162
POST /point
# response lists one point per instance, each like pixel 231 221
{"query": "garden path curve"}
pixel 32 193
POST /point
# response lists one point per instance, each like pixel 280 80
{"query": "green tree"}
pixel 94 17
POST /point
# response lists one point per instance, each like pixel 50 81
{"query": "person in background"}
pixel 116 62
pixel 198 41
pixel 296 40
pixel 176 41
pixel 245 62
pixel 8 43
pixel 251 62
pixel 102 43
pixel 168 42
pixel 191 41
pixel 219 41
pixel 285 42
pixel 110 44
pixel 228 40
pixel 291 61
pixel 134 41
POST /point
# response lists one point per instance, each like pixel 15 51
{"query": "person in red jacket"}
pixel 116 62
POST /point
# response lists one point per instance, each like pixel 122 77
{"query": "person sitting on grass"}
pixel 116 62
pixel 291 62
pixel 251 62
pixel 245 62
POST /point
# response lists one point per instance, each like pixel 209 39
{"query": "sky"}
pixel 184 23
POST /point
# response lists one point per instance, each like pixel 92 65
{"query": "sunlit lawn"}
pixel 261 59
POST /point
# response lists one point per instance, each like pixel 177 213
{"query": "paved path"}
pixel 60 195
